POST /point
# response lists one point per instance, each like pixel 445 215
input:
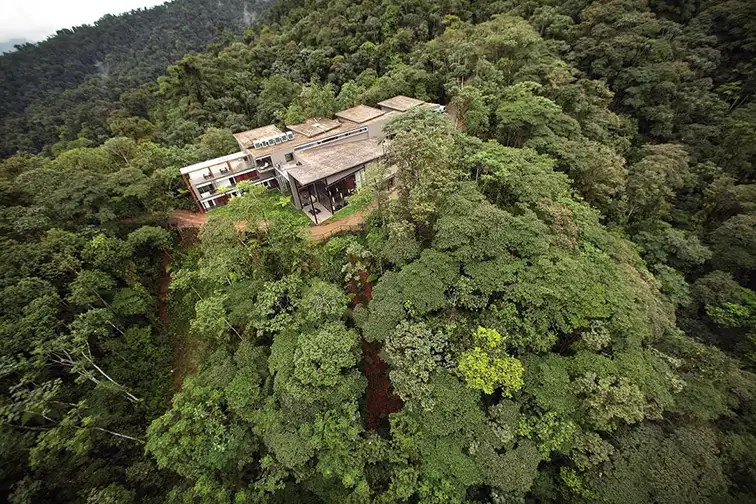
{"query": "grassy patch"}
pixel 218 211
pixel 348 210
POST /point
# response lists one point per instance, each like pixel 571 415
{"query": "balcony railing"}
pixel 224 171
pixel 215 191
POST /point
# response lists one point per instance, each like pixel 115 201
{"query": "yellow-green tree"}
pixel 487 366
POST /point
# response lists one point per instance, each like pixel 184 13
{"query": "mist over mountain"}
pixel 129 49
pixel 9 45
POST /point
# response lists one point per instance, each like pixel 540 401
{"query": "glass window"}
pixel 289 157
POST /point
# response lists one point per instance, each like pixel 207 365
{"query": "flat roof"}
pixel 314 126
pixel 247 138
pixel 400 103
pixel 344 127
pixel 322 162
pixel 360 113
pixel 212 162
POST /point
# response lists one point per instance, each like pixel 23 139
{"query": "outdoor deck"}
pixel 323 213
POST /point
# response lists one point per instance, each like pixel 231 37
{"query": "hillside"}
pixel 554 303
pixel 96 63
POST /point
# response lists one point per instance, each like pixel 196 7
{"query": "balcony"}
pixel 223 171
pixel 216 191
pixel 264 164
pixel 229 189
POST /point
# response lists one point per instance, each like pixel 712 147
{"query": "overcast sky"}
pixel 36 19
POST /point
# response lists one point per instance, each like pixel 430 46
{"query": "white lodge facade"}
pixel 319 162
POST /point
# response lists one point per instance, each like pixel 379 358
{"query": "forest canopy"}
pixel 554 303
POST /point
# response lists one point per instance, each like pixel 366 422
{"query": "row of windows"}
pixel 289 156
pixel 331 139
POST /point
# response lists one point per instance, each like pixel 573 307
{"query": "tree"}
pixel 652 181
pixel 472 109
pixel 427 163
pixel 486 367
pixel 652 465
pixel 525 118
pixel 321 357
pixel 414 351
pixel 197 437
pixel 733 242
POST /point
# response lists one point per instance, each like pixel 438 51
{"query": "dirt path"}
pixel 332 227
pixel 182 219
pixel 185 219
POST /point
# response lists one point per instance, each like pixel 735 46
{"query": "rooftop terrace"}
pixel 323 162
pixel 314 126
pixel 313 130
pixel 221 161
pixel 360 114
pixel 247 138
pixel 400 103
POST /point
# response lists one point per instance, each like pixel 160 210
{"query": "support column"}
pixel 312 204
pixel 330 197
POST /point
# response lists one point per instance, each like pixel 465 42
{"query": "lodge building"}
pixel 319 162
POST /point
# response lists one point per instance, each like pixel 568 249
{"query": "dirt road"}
pixel 185 219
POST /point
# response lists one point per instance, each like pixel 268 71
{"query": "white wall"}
pixel 197 177
pixel 226 182
pixel 375 129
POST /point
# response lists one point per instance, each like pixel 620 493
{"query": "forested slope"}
pixel 96 63
pixel 560 286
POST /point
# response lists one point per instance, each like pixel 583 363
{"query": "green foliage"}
pixel 322 302
pixel 414 350
pixel 425 156
pixel 196 436
pixel 558 290
pixel 609 400
pixel 653 466
pixel 486 366
pixel 126 51
pixel 486 373
pixel 321 357
pixel 210 319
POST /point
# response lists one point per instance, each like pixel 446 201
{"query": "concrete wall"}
pixel 375 129
pixel 293 184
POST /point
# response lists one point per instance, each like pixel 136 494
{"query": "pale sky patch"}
pixel 37 19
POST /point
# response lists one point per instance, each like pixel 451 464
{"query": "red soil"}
pixel 380 400
pixel 186 219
